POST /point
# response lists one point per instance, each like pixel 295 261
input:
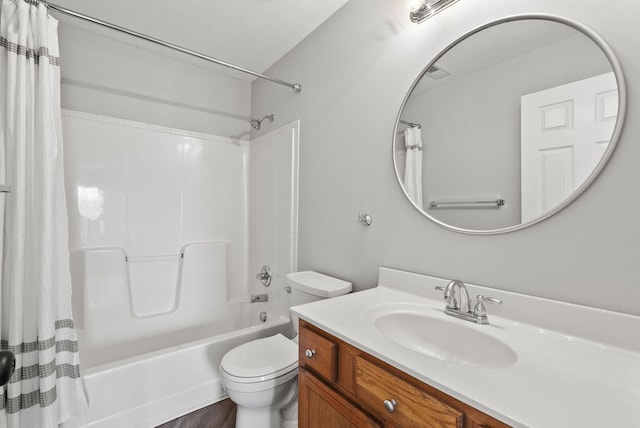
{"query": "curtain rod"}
pixel 411 124
pixel 295 86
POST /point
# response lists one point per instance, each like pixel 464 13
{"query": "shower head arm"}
pixel 256 123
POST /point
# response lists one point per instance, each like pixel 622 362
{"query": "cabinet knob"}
pixel 310 353
pixel 390 405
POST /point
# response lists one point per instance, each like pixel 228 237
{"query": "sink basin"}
pixel 445 340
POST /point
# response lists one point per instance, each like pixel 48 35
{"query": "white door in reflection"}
pixel 565 131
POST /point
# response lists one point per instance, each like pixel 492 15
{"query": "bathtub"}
pixel 151 388
pixel 152 331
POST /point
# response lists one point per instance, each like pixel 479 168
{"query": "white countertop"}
pixel 558 380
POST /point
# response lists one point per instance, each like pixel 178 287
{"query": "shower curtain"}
pixel 35 289
pixel 413 164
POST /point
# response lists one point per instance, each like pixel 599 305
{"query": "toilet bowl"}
pixel 261 376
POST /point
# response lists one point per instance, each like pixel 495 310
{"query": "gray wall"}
pixel 115 75
pixel 355 70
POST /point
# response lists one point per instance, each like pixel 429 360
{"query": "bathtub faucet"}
pixel 258 298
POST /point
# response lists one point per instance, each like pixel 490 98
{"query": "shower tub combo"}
pixel 159 223
pixel 137 378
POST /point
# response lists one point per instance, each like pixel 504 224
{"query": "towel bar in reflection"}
pixel 467 204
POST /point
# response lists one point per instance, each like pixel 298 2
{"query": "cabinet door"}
pixel 322 407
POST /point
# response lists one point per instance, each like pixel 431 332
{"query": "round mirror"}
pixel 509 124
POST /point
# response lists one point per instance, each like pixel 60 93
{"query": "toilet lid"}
pixel 265 358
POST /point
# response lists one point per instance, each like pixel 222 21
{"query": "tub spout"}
pixel 258 298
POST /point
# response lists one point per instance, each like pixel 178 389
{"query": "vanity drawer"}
pixel 318 353
pixel 413 407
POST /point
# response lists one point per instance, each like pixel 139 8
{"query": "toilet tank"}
pixel 309 286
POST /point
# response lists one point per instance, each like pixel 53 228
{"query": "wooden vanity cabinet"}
pixel 341 386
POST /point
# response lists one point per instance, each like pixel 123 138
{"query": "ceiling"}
pixel 494 45
pixel 253 34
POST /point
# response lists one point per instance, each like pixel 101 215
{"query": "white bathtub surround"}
pixel 157 232
pixel 573 365
pixel 273 208
pixel 163 226
pixel 153 284
pixel 37 325
pixel 151 190
pixel 126 307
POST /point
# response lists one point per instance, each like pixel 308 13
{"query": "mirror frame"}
pixel 615 136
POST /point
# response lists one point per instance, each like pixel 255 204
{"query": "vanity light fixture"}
pixel 423 9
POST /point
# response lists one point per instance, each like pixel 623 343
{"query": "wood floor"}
pixel 218 415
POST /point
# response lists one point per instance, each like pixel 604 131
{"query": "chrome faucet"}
pixel 450 296
pixel 462 309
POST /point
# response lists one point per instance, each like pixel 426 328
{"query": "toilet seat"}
pixel 260 360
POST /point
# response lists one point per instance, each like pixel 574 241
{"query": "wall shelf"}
pixel 5 189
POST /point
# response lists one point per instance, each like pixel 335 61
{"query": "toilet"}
pixel 261 376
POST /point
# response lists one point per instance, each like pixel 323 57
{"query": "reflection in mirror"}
pixel 509 124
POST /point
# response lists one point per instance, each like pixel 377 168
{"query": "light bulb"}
pixel 414 5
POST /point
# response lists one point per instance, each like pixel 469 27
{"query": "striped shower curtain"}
pixel 35 289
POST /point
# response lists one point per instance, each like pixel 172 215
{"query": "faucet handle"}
pixel 493 300
pixel 479 310
pixel 449 297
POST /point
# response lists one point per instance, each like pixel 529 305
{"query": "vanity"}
pixel 335 376
pixel 390 357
